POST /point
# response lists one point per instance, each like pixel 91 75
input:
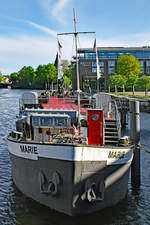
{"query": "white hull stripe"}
pixel 71 153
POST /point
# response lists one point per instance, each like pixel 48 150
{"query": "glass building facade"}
pixel 101 67
pixel 108 57
pixel 111 67
pixel 148 67
pixel 142 66
pixel 115 54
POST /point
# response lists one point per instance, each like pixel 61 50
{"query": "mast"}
pixel 77 67
pixel 75 33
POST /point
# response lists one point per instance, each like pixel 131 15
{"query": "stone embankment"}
pixel 145 106
pixel 123 101
pixel 144 103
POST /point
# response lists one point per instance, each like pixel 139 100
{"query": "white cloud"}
pixel 43 28
pixel 55 8
pixel 58 7
pixel 32 51
pixel 25 51
pixel 129 40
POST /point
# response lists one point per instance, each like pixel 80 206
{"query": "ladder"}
pixel 111 134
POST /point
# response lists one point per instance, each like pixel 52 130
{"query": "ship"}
pixel 71 171
pixel 68 153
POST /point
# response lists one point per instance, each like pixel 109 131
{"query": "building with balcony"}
pixel 108 57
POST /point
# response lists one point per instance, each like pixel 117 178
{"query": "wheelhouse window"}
pixel 60 122
pixel 46 122
pixel 35 121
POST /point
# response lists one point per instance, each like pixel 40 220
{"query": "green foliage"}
pixel 52 73
pixel 65 64
pixel 127 65
pixel 28 78
pixel 127 72
pixel 67 82
pixel 14 78
pixel 45 74
pixel 1 77
pixel 117 80
pixel 131 81
pixel 143 83
pixel 68 73
pixel 67 76
pixel 42 77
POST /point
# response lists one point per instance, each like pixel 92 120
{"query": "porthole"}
pixel 95 117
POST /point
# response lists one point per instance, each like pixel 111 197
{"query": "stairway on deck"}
pixel 111 136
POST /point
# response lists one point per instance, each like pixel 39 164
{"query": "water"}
pixel 17 209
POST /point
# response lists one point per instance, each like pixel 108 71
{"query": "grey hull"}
pixel 70 187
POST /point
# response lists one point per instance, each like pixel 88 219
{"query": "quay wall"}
pixel 145 106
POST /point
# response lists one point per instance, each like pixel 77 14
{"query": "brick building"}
pixel 108 57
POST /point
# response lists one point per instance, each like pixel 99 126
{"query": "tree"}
pixel 65 64
pixel 143 83
pixel 26 77
pixel 129 68
pixel 68 76
pixel 131 81
pixel 52 77
pixel 128 65
pixel 67 82
pixel 45 75
pixel 117 81
pixel 14 78
pixel 52 73
pixel 1 77
pixel 41 76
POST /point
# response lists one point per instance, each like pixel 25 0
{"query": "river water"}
pixel 15 208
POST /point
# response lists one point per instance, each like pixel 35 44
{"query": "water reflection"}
pixel 27 213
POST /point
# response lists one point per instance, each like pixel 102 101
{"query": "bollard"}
pixel 135 139
pixel 123 114
pixel 134 122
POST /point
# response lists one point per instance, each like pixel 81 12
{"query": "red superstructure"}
pixel 62 104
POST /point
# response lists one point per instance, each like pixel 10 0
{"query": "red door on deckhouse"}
pixel 95 127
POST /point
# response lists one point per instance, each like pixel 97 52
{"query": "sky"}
pixel 28 28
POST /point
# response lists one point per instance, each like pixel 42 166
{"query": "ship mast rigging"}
pixel 75 33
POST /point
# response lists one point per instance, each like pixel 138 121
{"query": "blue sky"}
pixel 28 28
